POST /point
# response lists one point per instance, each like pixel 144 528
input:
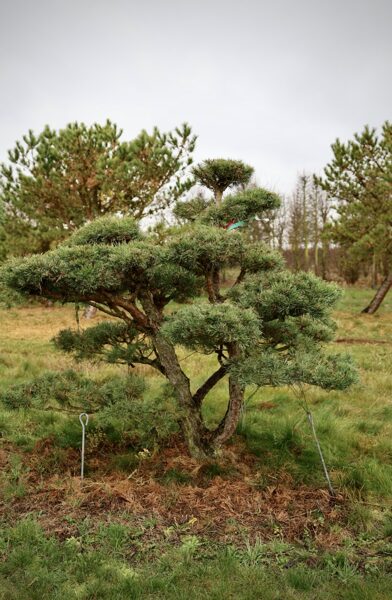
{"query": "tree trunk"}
pixel 218 197
pixel 379 296
pixel 316 258
pixel 374 271
pixel 305 224
pixel 194 431
pixel 306 255
pixel 216 285
pixel 193 428
pixel 231 419
pixel 324 258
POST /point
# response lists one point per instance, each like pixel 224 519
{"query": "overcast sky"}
pixel 272 83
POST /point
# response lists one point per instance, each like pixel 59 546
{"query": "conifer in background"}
pixel 359 178
pixel 55 182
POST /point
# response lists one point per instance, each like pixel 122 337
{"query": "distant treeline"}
pixel 302 229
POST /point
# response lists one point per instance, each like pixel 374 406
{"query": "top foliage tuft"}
pixel 106 230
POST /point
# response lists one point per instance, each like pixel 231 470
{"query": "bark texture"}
pixel 379 296
pixel 202 442
pixel 193 428
pixel 230 421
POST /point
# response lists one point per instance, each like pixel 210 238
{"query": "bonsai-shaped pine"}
pixel 219 174
pixel 267 329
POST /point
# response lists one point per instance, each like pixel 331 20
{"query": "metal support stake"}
pixel 311 423
pixel 83 418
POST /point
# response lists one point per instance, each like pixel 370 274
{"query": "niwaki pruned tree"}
pixel 267 329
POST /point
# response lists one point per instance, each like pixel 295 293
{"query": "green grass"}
pixel 355 431
pixel 98 566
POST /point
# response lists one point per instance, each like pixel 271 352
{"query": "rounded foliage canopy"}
pixel 218 174
pixel 267 329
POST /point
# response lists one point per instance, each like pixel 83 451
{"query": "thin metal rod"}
pixel 302 397
pixel 311 422
pixel 83 418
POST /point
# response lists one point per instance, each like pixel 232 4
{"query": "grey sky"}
pixel 272 83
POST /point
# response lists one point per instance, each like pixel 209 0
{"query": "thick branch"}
pixel 111 313
pixel 46 293
pixel 210 289
pixel 203 390
pixel 228 425
pixel 240 277
pixel 138 316
pixel 216 285
pixel 155 363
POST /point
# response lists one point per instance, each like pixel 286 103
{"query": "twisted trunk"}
pixel 193 428
pixel 202 442
pixel 229 423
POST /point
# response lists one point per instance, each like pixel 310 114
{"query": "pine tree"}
pixel 266 330
pixel 359 179
pixel 59 180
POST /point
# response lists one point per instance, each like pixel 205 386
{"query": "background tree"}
pixel 322 217
pixel 219 174
pixel 297 216
pixel 305 224
pixel 2 232
pixel 268 329
pixel 58 180
pixel 359 179
pixel 278 218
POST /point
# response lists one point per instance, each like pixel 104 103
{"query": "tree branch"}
pixel 210 288
pixel 104 310
pixel 216 285
pixel 229 422
pixel 138 316
pixel 155 364
pixel 240 277
pixel 203 390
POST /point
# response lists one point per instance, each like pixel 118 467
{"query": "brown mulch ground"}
pixel 226 507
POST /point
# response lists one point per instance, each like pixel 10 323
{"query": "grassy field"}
pixel 150 523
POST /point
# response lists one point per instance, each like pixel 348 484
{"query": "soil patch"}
pixel 221 500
